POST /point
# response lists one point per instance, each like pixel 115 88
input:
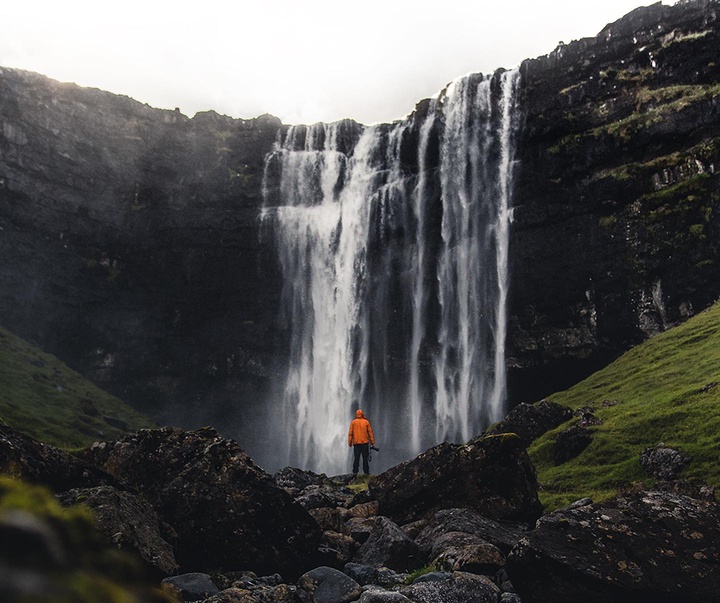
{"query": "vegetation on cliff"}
pixel 665 390
pixel 43 398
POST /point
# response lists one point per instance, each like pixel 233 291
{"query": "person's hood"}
pixel 359 414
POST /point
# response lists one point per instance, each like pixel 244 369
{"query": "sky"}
pixel 303 60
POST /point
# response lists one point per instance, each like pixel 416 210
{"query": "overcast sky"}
pixel 302 60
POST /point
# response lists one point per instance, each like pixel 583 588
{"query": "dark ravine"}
pixel 130 243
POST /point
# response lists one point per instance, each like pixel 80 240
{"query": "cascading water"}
pixel 393 245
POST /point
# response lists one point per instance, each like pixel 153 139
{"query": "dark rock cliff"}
pixel 130 243
pixel 615 235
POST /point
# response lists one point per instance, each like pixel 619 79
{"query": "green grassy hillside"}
pixel 43 398
pixel 668 390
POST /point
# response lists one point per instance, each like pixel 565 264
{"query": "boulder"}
pixel 194 586
pixel 457 551
pixel 328 585
pixel 338 549
pixel 330 518
pixel 502 534
pixel 129 523
pixel 642 547
pixel 570 443
pixel 295 480
pixel 383 596
pixel 226 510
pixel 530 421
pixel 459 587
pixel 492 475
pixel 362 574
pixel 663 462
pixel 388 546
pixel 360 528
pixel 25 458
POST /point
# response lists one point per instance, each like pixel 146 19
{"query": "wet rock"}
pixel 295 480
pixel 25 458
pixel 457 551
pixel 530 421
pixel 570 443
pixel 337 549
pixel 383 596
pixel 492 475
pixel 390 547
pixel 128 523
pixel 360 528
pixel 461 587
pixel 194 586
pixel 362 574
pixel 663 462
pixel 226 510
pixel 328 585
pixel 330 518
pixel 502 534
pixel 644 547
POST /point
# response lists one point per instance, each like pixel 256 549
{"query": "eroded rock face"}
pixel 226 510
pixel 651 546
pixel 491 475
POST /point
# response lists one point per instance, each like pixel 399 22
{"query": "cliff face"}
pixel 130 243
pixel 616 229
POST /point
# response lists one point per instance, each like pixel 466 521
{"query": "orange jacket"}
pixel 360 430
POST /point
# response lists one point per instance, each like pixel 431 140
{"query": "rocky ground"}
pixel 459 523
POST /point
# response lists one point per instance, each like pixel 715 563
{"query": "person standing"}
pixel 361 437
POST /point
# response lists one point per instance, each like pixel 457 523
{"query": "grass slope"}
pixel 668 390
pixel 43 398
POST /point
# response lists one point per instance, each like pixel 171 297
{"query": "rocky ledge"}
pixel 458 523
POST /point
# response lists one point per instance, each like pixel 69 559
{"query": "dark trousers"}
pixel 358 450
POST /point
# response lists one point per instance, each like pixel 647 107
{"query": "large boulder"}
pixel 644 547
pixel 25 458
pixel 227 511
pixel 389 546
pixel 458 587
pixel 530 421
pixel 503 534
pixel 663 462
pixel 328 585
pixel 492 475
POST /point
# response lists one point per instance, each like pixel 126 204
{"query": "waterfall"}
pixel 393 245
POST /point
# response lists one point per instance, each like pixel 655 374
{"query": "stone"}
pixel 459 588
pixel 194 586
pixel 328 585
pixel 362 574
pixel 663 462
pixel 227 512
pixel 338 549
pixel 491 475
pixel 383 596
pixel 129 523
pixel 502 534
pixel 388 546
pixel 295 480
pixel 644 546
pixel 530 421
pixel 330 518
pixel 570 443
pixel 458 551
pixel 360 528
pixel 25 458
